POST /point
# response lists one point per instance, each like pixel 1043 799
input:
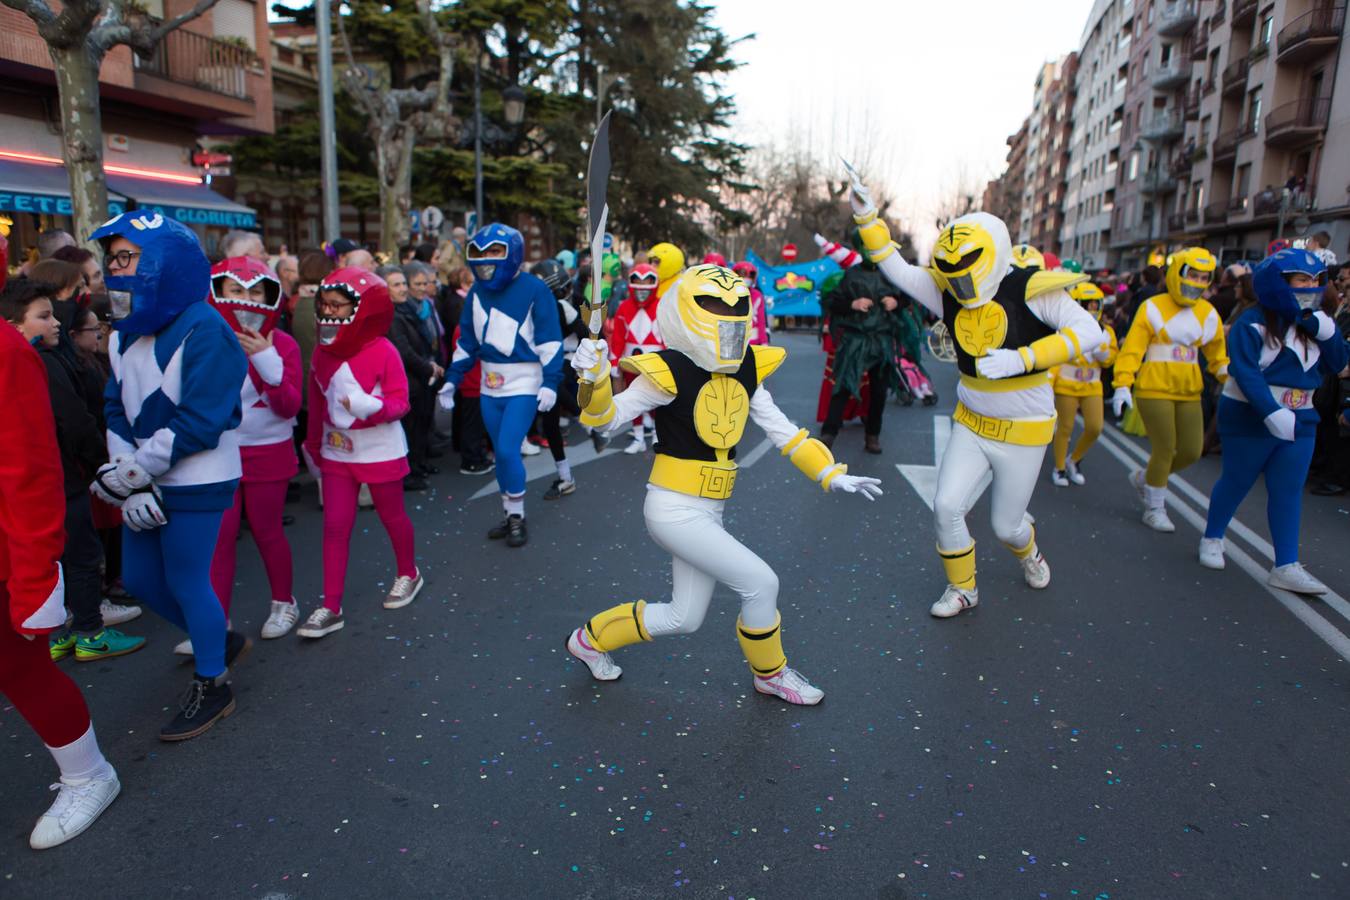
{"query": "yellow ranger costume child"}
pixel 1078 388
pixel 1009 326
pixel 702 390
pixel 1159 359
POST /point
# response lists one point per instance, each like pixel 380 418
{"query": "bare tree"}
pixel 78 38
pixel 396 118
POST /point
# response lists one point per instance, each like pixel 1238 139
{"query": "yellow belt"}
pixel 696 477
pixel 1002 385
pixel 1027 432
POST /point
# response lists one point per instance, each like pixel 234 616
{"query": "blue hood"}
pixel 1272 287
pixel 171 275
pixel 496 274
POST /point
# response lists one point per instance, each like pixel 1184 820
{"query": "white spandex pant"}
pixel 969 456
pixel 703 553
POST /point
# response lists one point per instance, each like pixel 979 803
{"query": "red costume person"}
pixel 32 594
pixel 248 294
pixel 759 317
pixel 635 331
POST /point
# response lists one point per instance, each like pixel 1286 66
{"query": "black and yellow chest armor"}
pixel 1005 321
pixel 698 430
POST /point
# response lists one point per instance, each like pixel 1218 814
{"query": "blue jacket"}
pixel 1255 366
pixel 173 403
pixel 515 333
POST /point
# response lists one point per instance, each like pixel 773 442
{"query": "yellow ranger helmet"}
pixel 971 256
pixel 668 260
pixel 707 318
pixel 1189 273
pixel 1025 256
pixel 1086 292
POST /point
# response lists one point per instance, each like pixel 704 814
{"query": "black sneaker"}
pixel 414 483
pixel 516 534
pixel 479 468
pixel 560 488
pixel 206 702
pixel 236 645
pixel 599 441
pixel 497 532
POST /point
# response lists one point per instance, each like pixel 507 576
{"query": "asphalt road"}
pixel 1144 728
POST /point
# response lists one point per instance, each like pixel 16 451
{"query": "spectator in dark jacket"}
pixel 411 334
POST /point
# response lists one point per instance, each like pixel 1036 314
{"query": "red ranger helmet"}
pixel 372 312
pixel 747 271
pixel 240 311
pixel 715 259
pixel 642 282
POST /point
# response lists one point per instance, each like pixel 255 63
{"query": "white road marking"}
pixel 924 478
pixel 756 454
pixel 541 466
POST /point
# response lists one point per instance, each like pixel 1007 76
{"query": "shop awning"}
pixel 191 204
pixel 42 188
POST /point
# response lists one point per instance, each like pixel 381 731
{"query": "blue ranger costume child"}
pixel 172 408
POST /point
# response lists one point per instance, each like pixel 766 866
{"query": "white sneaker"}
pixel 404 591
pixel 638 445
pixel 1137 482
pixel 1155 517
pixel 75 809
pixel 364 500
pixel 792 686
pixel 1294 577
pixel 321 622
pixel 1036 571
pixel 183 648
pixel 281 620
pixel 1059 478
pixel 955 600
pixel 601 664
pixel 1211 553
pixel 528 449
pixel 564 422
pixel 116 614
pixel 1075 474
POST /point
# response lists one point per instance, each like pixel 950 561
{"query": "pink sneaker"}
pixel 792 686
pixel 601 664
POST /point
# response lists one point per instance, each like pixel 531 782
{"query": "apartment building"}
pixel 1265 154
pixel 1003 195
pixel 1049 129
pixel 206 78
pixel 1094 144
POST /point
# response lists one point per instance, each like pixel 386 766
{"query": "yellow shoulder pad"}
pixel 767 360
pixel 654 367
pixel 1042 282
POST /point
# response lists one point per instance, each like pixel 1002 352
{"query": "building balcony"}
pixel 1129 236
pixel 1193 215
pixel 1200 49
pixel 1177 18
pixel 1191 105
pixel 1258 52
pixel 1301 122
pixel 1271 202
pixel 1216 213
pixel 1239 206
pixel 1176 223
pixel 218 69
pixel 1164 126
pixel 1235 76
pixel 1310 35
pixel 1226 144
pixel 1157 182
pixel 1172 74
pixel 1220 9
pixel 1244 12
pixel 1208 87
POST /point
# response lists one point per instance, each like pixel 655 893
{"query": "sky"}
pixel 933 87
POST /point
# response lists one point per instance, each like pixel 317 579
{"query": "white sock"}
pixel 637 432
pixel 564 469
pixel 1156 496
pixel 81 759
pixel 514 506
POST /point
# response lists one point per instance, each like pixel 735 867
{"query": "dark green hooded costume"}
pixel 865 340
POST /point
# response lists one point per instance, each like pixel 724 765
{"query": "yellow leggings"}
pixel 1067 407
pixel 1176 435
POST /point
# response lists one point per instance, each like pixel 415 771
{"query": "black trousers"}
pixel 470 432
pixel 549 422
pixel 834 419
pixel 81 562
pixel 417 427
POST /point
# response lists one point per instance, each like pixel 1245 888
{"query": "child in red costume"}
pixel 358 391
pixel 32 592
pixel 248 294
pixel 635 331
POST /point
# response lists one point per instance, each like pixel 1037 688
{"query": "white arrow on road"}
pixel 541 466
pixel 924 478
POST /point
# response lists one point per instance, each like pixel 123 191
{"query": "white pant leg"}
pixel 690 529
pixel 958 487
pixel 1017 468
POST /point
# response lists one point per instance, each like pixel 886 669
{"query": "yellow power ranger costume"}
pixel 1078 389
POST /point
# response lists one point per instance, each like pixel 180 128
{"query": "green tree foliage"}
pixel 291 154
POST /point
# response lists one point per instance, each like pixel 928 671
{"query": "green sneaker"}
pixel 62 645
pixel 106 644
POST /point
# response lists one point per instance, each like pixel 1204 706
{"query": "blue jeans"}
pixel 508 420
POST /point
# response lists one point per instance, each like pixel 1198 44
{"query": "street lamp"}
pixel 513 110
pixel 513 106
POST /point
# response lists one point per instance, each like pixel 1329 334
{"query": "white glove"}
pixel 1000 364
pixel 1326 326
pixel 1121 399
pixel 857 484
pixel 1101 354
pixel 363 405
pixel 860 198
pixel 591 361
pixel 1281 423
pixel 115 481
pixel 446 397
pixel 267 363
pixel 143 510
pixel 547 397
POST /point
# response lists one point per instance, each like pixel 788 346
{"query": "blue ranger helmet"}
pixel 1270 279
pixel 172 272
pixel 495 274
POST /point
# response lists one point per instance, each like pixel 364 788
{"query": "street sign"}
pixel 433 219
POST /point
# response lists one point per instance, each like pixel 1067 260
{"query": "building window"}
pixel 1266 29
pixel 1254 109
